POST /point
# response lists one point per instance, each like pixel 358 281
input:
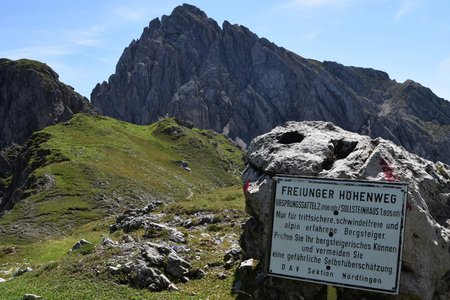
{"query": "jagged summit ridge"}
pixel 230 80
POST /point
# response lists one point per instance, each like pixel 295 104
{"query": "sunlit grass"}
pixel 93 168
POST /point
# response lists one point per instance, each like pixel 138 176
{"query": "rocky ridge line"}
pixel 230 80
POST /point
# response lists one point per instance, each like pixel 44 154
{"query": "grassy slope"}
pixel 58 275
pixel 100 166
pixel 97 166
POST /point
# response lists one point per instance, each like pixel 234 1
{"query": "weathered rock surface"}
pixel 230 80
pixel 16 180
pixel 32 98
pixel 150 261
pixel 321 149
pixel 155 260
pixel 7 158
pixel 232 255
pixel 80 244
pixel 20 272
pixel 137 218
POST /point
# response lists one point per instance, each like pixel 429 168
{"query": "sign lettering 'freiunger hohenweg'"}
pixel 338 232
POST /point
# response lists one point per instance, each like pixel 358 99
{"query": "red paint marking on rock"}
pixel 408 205
pixel 246 186
pixel 387 170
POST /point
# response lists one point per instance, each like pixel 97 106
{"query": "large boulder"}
pixel 321 149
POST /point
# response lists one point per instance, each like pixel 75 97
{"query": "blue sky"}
pixel 82 40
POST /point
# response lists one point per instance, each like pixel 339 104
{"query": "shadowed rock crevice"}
pixel 24 183
pixel 327 163
pixel 291 138
pixel 343 148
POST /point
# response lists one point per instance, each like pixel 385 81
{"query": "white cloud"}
pixel 407 7
pixel 87 37
pixel 326 3
pixel 87 42
pixel 57 43
pixel 94 30
pixel 310 3
pixel 136 14
pixel 313 34
pixel 341 7
pixel 38 52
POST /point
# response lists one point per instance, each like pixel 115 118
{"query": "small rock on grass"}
pixel 22 271
pixel 31 297
pixel 79 244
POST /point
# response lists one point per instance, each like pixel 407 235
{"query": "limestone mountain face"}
pixel 31 98
pixel 230 80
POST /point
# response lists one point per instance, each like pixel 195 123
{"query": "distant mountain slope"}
pixel 90 167
pixel 31 98
pixel 229 80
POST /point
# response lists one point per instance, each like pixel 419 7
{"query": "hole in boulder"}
pixel 291 138
pixel 342 148
pixel 327 164
pixel 407 268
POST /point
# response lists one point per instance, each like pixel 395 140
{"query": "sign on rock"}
pixel 338 232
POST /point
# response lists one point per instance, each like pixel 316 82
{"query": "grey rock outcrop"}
pixel 156 229
pixel 16 182
pixel 143 276
pixel 153 260
pixel 32 98
pixel 107 242
pixel 177 266
pixel 80 244
pixel 232 255
pixel 230 80
pixel 20 272
pixel 137 218
pixel 7 158
pixel 320 149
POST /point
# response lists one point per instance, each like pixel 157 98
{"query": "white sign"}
pixel 344 233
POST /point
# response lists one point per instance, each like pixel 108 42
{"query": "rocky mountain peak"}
pixel 230 80
pixel 189 11
pixel 31 98
pixel 26 65
pixel 191 21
